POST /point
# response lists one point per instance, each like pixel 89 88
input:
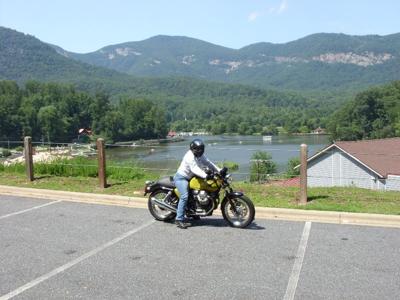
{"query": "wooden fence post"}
pixel 102 163
pixel 28 158
pixel 303 174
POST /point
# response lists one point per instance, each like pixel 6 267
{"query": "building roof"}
pixel 382 156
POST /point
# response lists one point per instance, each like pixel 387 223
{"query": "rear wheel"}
pixel 238 212
pixel 158 212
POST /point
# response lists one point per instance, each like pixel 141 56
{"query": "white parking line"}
pixel 73 262
pixel 29 209
pixel 295 275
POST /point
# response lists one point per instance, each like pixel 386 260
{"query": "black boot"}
pixel 181 224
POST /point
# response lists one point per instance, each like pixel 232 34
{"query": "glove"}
pixel 223 171
pixel 209 176
pixel 208 171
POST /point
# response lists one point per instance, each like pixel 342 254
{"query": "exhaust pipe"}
pixel 163 205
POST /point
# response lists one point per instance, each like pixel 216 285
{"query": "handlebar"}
pixel 222 173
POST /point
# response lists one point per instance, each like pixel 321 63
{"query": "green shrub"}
pixel 261 166
pixel 86 167
pixel 290 169
pixel 78 167
pixel 124 173
pixel 14 168
pixel 232 166
pixel 5 152
pixel 67 167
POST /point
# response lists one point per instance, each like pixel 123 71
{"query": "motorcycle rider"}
pixel 193 163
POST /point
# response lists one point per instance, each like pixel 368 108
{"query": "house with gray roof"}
pixel 371 164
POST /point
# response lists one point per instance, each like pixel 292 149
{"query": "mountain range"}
pixel 255 89
pixel 24 57
pixel 324 61
pixel 316 63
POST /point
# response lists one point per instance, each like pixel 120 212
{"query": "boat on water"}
pixel 267 137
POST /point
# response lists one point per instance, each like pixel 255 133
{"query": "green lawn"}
pixel 330 199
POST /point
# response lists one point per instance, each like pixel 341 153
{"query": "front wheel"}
pixel 238 212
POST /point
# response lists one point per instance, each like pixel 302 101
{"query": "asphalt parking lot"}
pixel 53 249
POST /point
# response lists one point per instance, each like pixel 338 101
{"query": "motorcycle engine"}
pixel 202 198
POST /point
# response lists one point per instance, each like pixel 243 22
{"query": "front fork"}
pixel 230 195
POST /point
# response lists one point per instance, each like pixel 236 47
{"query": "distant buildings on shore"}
pixel 319 130
pixel 172 134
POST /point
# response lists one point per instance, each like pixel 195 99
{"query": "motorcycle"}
pixel 204 197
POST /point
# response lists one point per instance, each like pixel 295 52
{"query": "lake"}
pixel 165 158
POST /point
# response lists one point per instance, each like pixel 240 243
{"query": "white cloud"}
pixel 271 10
pixel 253 16
pixel 278 9
pixel 282 7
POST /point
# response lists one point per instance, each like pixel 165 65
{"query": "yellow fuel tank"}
pixel 201 184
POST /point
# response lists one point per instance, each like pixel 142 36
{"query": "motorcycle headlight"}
pixel 147 186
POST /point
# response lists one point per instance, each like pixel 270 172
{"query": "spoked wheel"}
pixel 159 213
pixel 238 212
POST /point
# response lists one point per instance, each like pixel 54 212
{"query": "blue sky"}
pixel 87 25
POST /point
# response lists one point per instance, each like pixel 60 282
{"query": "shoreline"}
pixel 148 142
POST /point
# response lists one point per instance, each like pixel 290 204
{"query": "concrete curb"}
pixel 261 212
pixel 135 202
pixel 329 217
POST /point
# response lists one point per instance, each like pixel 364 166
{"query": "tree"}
pixel 157 122
pixel 290 169
pixel 261 166
pixel 269 130
pixel 49 121
pixel 10 101
pixel 374 113
pixel 98 109
pixel 113 126
pixel 142 120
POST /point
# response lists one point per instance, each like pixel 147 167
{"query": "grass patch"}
pixel 80 175
pixel 78 167
pixel 130 181
pixel 345 199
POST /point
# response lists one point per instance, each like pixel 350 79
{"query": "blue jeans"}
pixel 182 184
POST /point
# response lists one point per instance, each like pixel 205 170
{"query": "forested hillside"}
pixel 374 113
pixel 33 109
pixel 23 57
pixel 319 62
pixel 188 104
pixel 54 112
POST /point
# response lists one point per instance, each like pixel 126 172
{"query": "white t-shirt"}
pixel 193 166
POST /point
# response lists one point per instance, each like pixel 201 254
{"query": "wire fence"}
pixel 335 175
pixel 9 144
pixel 58 145
pixel 58 149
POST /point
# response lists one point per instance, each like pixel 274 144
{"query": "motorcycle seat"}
pixel 167 182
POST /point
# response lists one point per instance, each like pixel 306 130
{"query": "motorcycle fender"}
pixel 153 187
pixel 234 194
pixel 229 196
